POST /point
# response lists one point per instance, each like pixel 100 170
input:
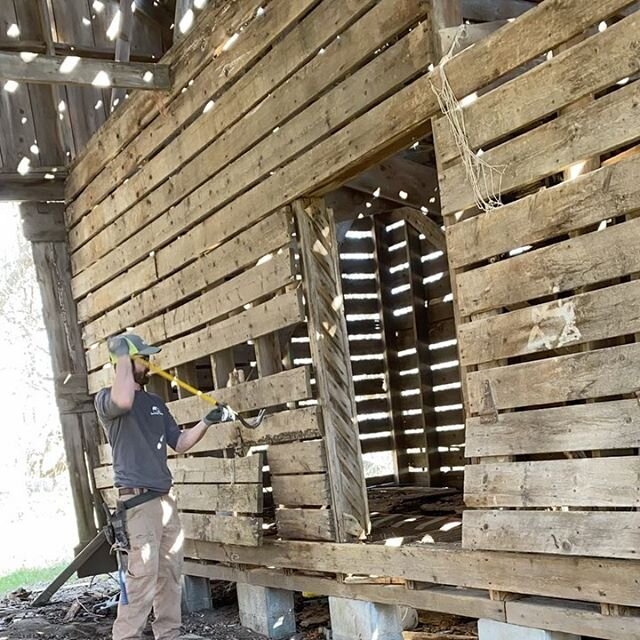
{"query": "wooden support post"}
pixel 330 355
pixel 182 7
pixel 444 14
pixel 77 415
pixel 58 92
pixel 123 46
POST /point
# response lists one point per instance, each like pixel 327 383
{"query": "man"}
pixel 139 427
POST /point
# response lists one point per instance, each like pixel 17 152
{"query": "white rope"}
pixel 485 179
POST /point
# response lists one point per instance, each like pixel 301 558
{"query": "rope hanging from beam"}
pixel 484 178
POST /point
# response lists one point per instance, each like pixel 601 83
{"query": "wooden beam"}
pixel 347 204
pixel 47 69
pixel 399 180
pixel 468 602
pixel 33 187
pixel 123 45
pixel 77 417
pixel 455 39
pixel 574 578
pixel 489 10
pixel 44 223
pixel 421 222
pixel 444 13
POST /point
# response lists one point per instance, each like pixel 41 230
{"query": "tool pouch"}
pixel 116 529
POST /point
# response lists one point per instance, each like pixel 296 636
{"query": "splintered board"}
pixel 545 285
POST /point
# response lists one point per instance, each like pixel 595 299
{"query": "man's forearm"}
pixel 190 437
pixel 123 390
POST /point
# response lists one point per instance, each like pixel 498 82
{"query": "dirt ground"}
pixel 81 611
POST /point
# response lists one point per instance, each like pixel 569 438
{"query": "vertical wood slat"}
pixel 330 352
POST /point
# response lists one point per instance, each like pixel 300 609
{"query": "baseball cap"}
pixel 141 346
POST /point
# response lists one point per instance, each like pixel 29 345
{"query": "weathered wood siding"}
pixel 545 286
pixel 176 203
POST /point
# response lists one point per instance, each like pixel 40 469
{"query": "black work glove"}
pixel 221 413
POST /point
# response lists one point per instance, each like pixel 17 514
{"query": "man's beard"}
pixel 141 377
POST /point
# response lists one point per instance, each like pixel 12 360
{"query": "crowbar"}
pixel 252 423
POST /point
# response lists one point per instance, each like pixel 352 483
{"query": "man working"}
pixel 139 427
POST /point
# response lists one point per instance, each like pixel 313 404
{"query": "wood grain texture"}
pixel 330 350
pixel 597 426
pixel 575 533
pixel 581 482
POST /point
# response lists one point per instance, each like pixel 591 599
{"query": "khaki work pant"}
pixel 154 571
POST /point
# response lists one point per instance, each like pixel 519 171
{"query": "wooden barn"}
pixel 407 230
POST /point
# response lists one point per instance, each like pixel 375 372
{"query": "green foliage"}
pixel 29 578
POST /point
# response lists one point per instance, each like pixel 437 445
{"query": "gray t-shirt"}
pixel 139 440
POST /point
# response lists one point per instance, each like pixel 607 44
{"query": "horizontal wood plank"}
pixel 279 312
pixel 590 198
pixel 596 426
pixel 521 162
pixel 576 533
pixel 238 530
pixel 576 262
pixel 587 317
pixel 245 289
pixel 577 578
pixel 305 524
pixel 239 253
pixel 277 389
pixel 568 76
pixel 284 426
pixel 46 69
pixel 577 618
pixel 297 457
pixel 301 490
pixel 201 470
pixel 580 482
pixel 580 376
pixel 242 498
